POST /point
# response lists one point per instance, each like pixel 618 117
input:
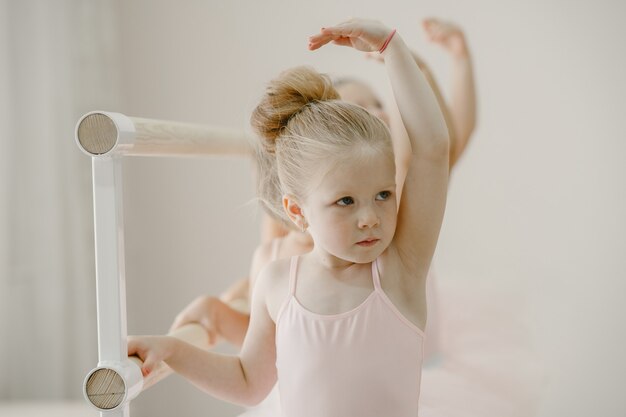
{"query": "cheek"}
pixel 333 226
pixel 391 217
pixel 337 223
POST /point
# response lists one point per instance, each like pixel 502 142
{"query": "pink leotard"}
pixel 365 362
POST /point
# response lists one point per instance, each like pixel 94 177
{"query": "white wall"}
pixel 536 206
pixel 57 60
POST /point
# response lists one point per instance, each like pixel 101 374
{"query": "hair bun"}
pixel 286 96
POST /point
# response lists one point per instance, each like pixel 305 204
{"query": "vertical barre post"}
pixel 107 137
pixel 110 266
pixel 116 380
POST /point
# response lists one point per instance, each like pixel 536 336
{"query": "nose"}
pixel 368 218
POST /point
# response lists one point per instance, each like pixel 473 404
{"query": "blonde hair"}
pixel 302 123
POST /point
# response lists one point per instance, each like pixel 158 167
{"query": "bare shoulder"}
pixel 273 285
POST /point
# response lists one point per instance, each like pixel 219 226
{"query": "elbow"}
pixel 244 398
pixel 247 402
pixel 254 390
pixel 251 402
pixel 433 143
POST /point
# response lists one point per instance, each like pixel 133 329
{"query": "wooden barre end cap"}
pixel 97 133
pixel 105 389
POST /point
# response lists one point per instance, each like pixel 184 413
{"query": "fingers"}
pixel 132 346
pixel 328 35
pixel 448 35
pixel 438 30
pixel 433 29
pixel 361 34
pixel 347 29
pixel 342 34
pixel 319 40
pixel 135 349
pixel 428 22
pixel 342 42
pixel 148 365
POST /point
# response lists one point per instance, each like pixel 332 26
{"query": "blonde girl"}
pixel 227 317
pixel 341 326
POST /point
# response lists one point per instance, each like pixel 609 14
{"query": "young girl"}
pixel 339 327
pixel 227 317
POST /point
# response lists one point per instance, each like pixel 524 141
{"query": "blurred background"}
pixel 536 205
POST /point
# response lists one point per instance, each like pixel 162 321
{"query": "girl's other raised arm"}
pixel 424 195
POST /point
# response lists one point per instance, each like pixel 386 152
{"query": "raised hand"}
pixel 361 34
pixel 446 34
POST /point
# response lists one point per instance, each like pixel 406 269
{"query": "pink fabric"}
pixel 365 362
pixel 487 366
pixel 432 348
pixel 481 362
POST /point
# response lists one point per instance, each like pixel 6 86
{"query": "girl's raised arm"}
pixel 424 195
pixel 463 91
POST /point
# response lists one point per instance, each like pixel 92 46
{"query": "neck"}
pixel 303 240
pixel 330 261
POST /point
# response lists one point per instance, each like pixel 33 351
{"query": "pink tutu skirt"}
pixel 487 366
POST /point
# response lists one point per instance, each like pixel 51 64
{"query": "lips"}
pixel 371 241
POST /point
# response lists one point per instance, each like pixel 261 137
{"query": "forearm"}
pixel 221 376
pixel 442 103
pixel 232 325
pixel 462 103
pixel 416 101
pixel 401 142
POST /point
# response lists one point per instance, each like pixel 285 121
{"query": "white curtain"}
pixel 57 61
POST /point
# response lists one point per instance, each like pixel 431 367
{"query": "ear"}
pixel 294 211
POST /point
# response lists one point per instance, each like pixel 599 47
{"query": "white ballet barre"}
pixel 101 133
pixel 107 137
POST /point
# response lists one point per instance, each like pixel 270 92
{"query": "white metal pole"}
pixel 116 380
pixel 110 266
pixel 107 137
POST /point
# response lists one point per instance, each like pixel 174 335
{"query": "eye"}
pixel 383 195
pixel 345 201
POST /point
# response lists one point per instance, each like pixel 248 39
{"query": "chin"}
pixel 365 257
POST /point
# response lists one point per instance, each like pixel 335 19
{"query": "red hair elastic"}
pixel 382 48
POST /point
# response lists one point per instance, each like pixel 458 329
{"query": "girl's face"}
pixel 351 213
pixel 356 92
